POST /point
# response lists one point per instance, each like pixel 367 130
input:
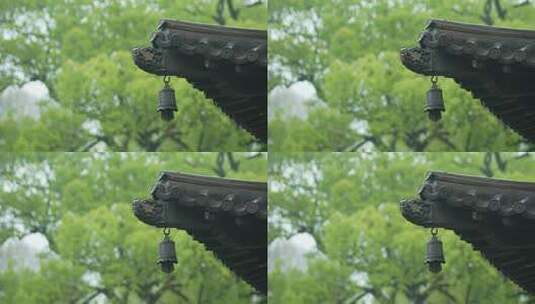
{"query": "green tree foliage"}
pixel 81 204
pixel 366 251
pixel 81 51
pixel 349 51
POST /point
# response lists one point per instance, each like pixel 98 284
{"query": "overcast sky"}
pixel 23 100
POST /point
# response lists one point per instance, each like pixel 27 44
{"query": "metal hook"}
pixel 166 79
pixel 166 231
pixel 434 231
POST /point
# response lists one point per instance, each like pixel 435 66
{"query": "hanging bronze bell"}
pixel 166 101
pixel 167 254
pixel 435 102
pixel 435 256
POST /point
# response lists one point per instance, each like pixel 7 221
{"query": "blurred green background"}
pixel 68 82
pixel 337 84
pixel 336 233
pixel 68 233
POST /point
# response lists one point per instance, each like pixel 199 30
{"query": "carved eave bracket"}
pixel 149 60
pixel 150 212
pixel 417 212
pixel 228 64
pixel 496 216
pixel 228 216
pixel 495 64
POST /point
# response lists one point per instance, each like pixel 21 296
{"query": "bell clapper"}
pixel 435 255
pixel 435 101
pixel 167 252
pixel 166 100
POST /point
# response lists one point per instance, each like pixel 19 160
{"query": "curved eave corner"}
pixel 496 216
pixel 228 216
pixel 228 64
pixel 495 64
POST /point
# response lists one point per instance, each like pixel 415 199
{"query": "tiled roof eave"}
pixel 496 216
pixel 228 216
pixel 496 65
